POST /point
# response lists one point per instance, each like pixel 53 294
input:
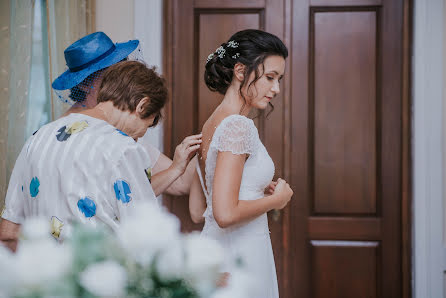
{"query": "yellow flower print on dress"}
pixel 56 227
pixel 77 126
pixel 148 172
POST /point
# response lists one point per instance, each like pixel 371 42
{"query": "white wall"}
pixel 428 174
pixel 444 147
pixel 148 24
pixel 136 19
pixel 115 18
pixel 444 123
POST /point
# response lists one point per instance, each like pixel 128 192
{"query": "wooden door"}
pixel 194 30
pixel 347 62
pixel 335 134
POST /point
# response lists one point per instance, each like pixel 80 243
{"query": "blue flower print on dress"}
pixel 65 132
pixel 122 191
pixel 121 132
pixel 34 187
pixel 62 134
pixel 87 206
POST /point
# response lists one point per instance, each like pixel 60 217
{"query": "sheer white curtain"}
pixel 4 91
pixel 68 21
pixel 16 97
pixel 33 35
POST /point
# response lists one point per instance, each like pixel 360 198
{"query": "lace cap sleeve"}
pixel 237 134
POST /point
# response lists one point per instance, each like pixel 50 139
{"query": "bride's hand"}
pixel 185 151
pixel 283 192
pixel 270 188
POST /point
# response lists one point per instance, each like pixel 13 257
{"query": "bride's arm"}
pixel 197 200
pixel 227 208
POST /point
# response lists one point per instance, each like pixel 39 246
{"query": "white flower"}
pixel 204 260
pixel 36 228
pixel 228 293
pixel 209 58
pixel 147 231
pixel 233 44
pixel 105 279
pixel 66 232
pixel 241 281
pixel 7 281
pixel 240 285
pixel 203 254
pixel 41 262
pixel 170 262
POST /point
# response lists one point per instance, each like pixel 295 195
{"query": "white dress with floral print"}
pixel 249 241
pixel 78 168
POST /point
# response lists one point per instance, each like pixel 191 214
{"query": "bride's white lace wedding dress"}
pixel 248 241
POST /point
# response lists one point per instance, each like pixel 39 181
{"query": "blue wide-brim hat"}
pixel 89 54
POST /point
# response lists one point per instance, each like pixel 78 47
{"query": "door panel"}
pixel 344 74
pixel 344 269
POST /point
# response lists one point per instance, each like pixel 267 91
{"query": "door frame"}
pixel 406 163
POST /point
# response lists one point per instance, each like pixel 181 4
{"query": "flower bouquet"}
pixel 146 256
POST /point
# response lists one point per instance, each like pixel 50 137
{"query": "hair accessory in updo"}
pixel 233 44
pixel 221 51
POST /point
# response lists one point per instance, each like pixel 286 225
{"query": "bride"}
pixel 234 168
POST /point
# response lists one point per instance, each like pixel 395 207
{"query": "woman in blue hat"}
pixel 86 59
pixel 87 166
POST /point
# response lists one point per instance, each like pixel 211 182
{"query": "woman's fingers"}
pixel 185 151
pixel 271 187
pixel 192 138
pixel 280 181
pixel 192 142
pixel 193 148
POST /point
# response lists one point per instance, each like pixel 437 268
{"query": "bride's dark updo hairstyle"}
pixel 248 47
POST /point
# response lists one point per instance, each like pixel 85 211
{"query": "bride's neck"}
pixel 234 103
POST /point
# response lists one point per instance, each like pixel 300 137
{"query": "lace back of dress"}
pixel 236 134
